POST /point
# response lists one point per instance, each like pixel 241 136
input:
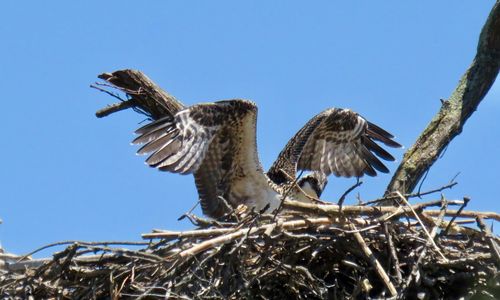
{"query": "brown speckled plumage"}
pixel 336 141
pixel 216 142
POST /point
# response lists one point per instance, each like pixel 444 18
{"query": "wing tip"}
pixel 395 144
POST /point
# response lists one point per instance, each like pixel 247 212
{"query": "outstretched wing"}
pixel 203 140
pixel 339 142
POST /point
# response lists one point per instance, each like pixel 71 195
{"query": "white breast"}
pixel 253 188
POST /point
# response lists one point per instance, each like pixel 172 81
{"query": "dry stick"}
pixel 466 200
pixel 344 195
pixel 418 206
pixel 431 239
pixel 392 251
pixel 112 108
pixel 27 264
pixel 287 225
pixel 388 216
pixel 445 223
pixel 428 220
pixel 294 183
pixel 388 211
pixel 374 262
pixel 333 209
pixel 123 251
pixel 466 213
pixel 186 214
pixel 170 235
pixel 493 244
pixel 414 269
pixel 460 222
pixel 201 222
pixel 122 105
pixel 210 232
pixel 83 244
pixel 35 263
pixel 215 241
pixel 413 195
pixel 449 121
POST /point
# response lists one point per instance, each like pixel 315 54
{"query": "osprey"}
pixel 216 142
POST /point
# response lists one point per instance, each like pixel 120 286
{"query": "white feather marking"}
pixel 322 156
pixel 194 162
pixel 342 166
pixel 336 162
pixel 191 152
pixel 154 158
pixel 330 161
pixel 347 161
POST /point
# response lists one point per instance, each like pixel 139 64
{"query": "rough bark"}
pixel 144 95
pixel 455 111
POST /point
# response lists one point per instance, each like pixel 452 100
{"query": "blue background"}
pixel 67 175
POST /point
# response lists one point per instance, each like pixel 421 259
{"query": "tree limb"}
pixel 455 111
pixel 144 94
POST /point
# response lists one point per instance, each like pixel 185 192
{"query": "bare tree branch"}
pixel 144 94
pixel 455 111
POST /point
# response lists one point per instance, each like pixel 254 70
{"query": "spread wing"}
pixel 202 140
pixel 336 141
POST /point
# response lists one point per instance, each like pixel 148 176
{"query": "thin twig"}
pixel 432 235
pixel 431 239
pixel 344 195
pixel 289 189
pixel 466 213
pixel 334 209
pixel 82 243
pixel 375 263
pixel 392 251
pixel 114 108
pixel 98 87
pixel 466 201
pixel 413 195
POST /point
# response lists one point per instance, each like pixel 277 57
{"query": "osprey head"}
pixel 313 183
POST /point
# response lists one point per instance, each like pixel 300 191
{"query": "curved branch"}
pixel 144 94
pixel 455 111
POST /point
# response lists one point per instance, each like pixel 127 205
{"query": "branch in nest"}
pixel 489 236
pixel 335 210
pixel 423 252
pixel 375 263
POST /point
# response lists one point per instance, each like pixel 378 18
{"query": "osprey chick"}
pixel 216 142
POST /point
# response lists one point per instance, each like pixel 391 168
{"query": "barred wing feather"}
pixel 339 142
pixel 343 145
pixel 202 140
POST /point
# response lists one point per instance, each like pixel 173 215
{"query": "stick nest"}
pixel 314 251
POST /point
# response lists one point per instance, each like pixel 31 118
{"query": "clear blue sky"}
pixel 67 175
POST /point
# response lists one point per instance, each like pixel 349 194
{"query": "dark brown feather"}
pixel 338 142
pixel 381 135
